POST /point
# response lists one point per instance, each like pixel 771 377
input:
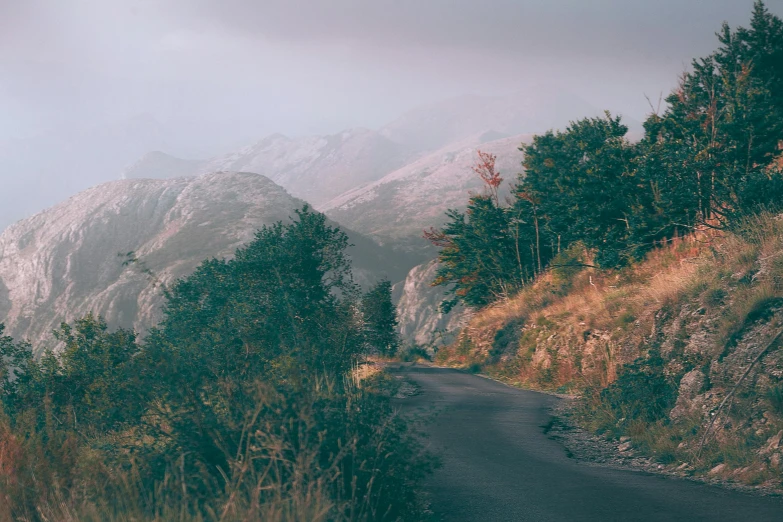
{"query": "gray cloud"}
pixel 219 72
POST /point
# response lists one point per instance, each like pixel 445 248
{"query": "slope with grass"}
pixel 680 352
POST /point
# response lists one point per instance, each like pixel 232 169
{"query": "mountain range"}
pixel 384 186
pixel 70 259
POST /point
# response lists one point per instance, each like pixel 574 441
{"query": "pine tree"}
pixel 380 319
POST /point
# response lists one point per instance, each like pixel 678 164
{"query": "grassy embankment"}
pixel 680 352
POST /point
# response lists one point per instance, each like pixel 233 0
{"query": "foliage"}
pixel 380 319
pixel 415 353
pixel 584 180
pixel 710 158
pixel 237 406
pixel 484 254
pixel 641 392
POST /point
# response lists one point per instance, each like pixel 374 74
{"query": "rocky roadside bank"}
pixel 592 449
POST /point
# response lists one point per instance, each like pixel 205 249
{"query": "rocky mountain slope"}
pixel 317 168
pixel 313 168
pixel 63 262
pixel 418 309
pixel 404 202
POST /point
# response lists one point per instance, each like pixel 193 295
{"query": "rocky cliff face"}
pixel 62 263
pixel 418 312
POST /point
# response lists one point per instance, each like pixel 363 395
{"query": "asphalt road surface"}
pixel 498 464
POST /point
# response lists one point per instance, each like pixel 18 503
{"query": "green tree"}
pixel 489 251
pixel 92 383
pixel 585 186
pixel 707 156
pixel 380 319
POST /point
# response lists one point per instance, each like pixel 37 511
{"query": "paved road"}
pixel 499 465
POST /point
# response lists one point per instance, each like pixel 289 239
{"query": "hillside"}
pixel 404 202
pixel 655 349
pixel 313 168
pixel 159 165
pixel 63 263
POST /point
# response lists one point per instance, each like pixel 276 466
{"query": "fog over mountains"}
pixel 382 182
pixel 172 212
pixel 51 167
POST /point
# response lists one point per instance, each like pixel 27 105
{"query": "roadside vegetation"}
pixel 248 401
pixel 646 277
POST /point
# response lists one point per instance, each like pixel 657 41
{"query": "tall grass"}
pixel 323 455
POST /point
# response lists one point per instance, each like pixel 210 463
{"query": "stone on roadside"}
pixel 775 461
pixel 772 444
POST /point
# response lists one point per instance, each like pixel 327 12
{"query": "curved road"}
pixel 498 464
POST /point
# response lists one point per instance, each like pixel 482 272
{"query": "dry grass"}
pixel 692 301
pixel 363 371
pixel 595 297
pixel 277 474
pixel 577 333
pixel 615 309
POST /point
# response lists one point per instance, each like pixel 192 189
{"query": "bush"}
pixel 238 406
pixel 641 393
pixel 775 398
pixel 416 353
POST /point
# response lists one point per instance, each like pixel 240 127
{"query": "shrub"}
pixel 238 406
pixel 641 392
pixel 775 398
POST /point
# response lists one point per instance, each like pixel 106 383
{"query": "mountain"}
pixel 319 169
pixel 401 204
pixel 418 309
pixel 63 262
pixel 159 165
pixel 313 168
pixel 534 111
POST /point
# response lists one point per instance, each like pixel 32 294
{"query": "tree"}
pixel 92 382
pixel 281 312
pixel 239 393
pixel 581 184
pixel 380 319
pixel 484 253
pixel 707 156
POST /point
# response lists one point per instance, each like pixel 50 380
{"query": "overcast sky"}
pixel 222 71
